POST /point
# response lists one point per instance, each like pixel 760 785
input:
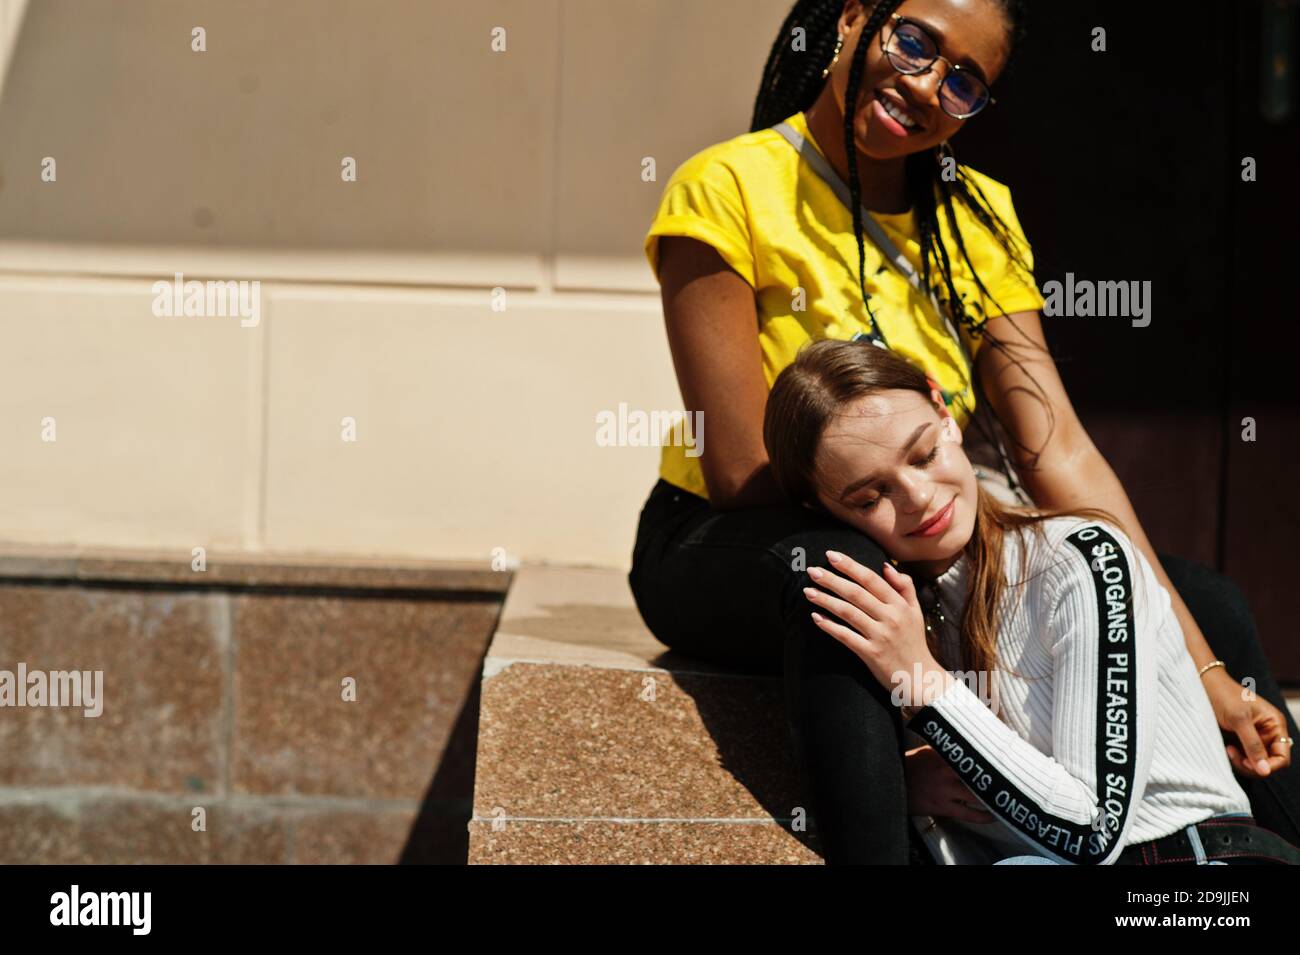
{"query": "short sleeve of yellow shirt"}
pixel 784 231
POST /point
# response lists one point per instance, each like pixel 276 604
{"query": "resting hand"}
pixel 882 620
pixel 1259 726
pixel 933 789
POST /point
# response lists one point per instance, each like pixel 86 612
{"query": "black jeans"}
pixel 721 586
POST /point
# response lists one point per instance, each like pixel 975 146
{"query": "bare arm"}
pixel 712 325
pixel 1071 472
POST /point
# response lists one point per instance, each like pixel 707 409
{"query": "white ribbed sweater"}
pixel 1106 690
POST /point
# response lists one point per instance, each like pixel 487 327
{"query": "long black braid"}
pixel 791 83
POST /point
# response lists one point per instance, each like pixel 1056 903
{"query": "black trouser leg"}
pixel 1220 609
pixel 722 586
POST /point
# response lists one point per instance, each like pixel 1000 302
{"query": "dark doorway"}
pixel 1126 165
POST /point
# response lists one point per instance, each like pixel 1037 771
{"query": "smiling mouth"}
pixel 897 112
pixel 943 512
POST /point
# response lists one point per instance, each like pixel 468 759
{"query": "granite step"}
pixel 598 745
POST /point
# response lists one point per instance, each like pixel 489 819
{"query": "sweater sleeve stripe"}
pixel 974 756
pixel 1116 678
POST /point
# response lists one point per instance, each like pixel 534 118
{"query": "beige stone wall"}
pixel 476 170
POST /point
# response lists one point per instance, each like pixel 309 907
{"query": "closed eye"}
pixel 925 462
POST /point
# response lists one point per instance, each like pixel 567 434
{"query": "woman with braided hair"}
pixel 776 238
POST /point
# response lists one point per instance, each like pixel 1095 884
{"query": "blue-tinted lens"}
pixel 963 92
pixel 912 47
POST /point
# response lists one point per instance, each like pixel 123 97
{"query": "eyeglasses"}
pixel 911 50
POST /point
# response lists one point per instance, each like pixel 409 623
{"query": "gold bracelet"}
pixel 1211 666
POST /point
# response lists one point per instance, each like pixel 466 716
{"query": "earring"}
pixel 944 151
pixel 839 45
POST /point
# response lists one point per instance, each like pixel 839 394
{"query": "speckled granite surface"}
pixel 638 843
pixel 596 745
pixel 223 692
pixel 18 561
pixel 115 828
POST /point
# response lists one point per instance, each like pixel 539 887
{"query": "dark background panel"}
pixel 1261 502
pixel 1131 171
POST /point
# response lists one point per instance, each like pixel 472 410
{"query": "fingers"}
pixel 850 638
pixel 868 579
pixel 1281 753
pixel 963 806
pixel 1273 731
pixel 850 591
pixel 1239 764
pixel 901 582
pixel 1255 752
pixel 1234 755
pixel 846 611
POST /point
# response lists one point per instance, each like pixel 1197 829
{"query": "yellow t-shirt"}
pixel 782 228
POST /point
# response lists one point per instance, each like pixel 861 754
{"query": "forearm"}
pixel 1056 812
pixel 757 489
pixel 1089 481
